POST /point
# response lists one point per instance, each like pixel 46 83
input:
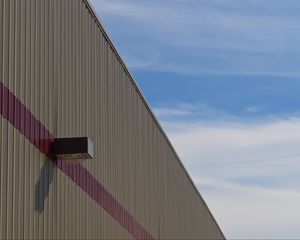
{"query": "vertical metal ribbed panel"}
pixel 62 77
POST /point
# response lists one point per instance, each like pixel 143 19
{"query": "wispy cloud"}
pixel 252 37
pixel 189 112
pixel 254 109
pixel 268 148
pixel 183 110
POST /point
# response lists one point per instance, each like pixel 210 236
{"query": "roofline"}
pixel 126 68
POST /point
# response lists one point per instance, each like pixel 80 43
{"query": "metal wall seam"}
pixel 23 166
pixel 2 134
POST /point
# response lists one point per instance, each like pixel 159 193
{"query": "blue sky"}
pixel 223 78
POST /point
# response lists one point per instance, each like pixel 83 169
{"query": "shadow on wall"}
pixel 42 187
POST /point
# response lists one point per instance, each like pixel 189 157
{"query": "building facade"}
pixel 61 76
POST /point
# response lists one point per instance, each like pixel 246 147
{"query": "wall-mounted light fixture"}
pixel 73 150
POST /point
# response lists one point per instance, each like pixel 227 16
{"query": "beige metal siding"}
pixel 57 60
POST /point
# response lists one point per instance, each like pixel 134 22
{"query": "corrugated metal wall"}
pixel 58 61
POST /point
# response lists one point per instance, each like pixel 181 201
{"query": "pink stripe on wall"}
pixel 21 118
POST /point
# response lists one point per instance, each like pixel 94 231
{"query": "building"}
pixel 61 76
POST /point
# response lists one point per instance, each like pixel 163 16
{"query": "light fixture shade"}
pixel 73 150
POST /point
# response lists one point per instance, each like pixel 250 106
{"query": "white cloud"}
pixel 162 112
pixel 183 110
pixel 234 141
pixel 254 109
pixel 249 212
pixel 248 37
pixel 248 173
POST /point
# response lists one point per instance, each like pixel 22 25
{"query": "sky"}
pixel 223 78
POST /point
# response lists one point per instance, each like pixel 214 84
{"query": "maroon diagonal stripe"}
pixel 22 119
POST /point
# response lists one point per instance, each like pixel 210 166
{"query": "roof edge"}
pixel 126 69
